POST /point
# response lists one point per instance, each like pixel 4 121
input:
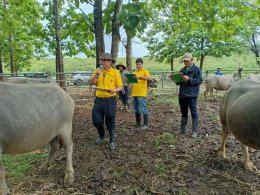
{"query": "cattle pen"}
pixel 155 161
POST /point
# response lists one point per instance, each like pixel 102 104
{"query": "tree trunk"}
pixel 115 29
pixel 201 55
pixel 128 47
pixel 1 67
pixel 201 61
pixel 11 53
pixel 98 30
pixel 171 63
pixel 59 59
pixel 255 49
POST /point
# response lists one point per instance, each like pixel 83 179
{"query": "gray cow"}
pixel 218 82
pixel 239 115
pixel 254 77
pixel 31 116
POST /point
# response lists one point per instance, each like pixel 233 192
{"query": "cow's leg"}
pixel 211 93
pixel 246 159
pixel 222 150
pixel 205 94
pixel 66 138
pixel 3 187
pixel 53 147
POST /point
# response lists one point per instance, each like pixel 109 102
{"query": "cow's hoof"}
pixel 44 166
pixel 69 179
pixel 250 167
pixel 221 154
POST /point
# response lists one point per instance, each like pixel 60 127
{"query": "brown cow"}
pixel 31 116
pixel 239 115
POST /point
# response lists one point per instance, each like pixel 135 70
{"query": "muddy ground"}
pixel 153 161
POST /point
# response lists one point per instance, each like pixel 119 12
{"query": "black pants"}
pixel 124 97
pixel 188 102
pixel 104 109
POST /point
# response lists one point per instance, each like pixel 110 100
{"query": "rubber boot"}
pixel 127 106
pixel 184 121
pixel 138 119
pixel 195 123
pixel 112 144
pixel 145 121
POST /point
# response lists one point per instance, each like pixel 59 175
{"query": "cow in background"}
pixel 24 80
pixel 218 82
pixel 152 83
pixel 239 115
pixel 31 116
pixel 254 77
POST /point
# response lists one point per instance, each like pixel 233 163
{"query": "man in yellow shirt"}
pixel 108 82
pixel 139 93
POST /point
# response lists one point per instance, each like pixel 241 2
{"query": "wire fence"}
pixel 80 79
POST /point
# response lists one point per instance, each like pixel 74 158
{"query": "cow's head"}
pixel 152 83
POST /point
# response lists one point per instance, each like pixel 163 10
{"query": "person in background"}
pixel 139 93
pixel 123 95
pixel 218 71
pixel 188 93
pixel 108 82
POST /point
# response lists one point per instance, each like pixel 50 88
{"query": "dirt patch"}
pixel 154 161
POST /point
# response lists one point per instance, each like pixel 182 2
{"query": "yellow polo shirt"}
pixel 108 79
pixel 140 89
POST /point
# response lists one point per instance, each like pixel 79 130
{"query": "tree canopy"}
pixel 169 28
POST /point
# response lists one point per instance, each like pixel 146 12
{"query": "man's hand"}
pixel 98 73
pixel 185 77
pixel 113 91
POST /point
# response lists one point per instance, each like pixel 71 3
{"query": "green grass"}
pixel 166 138
pixel 18 165
pixel 245 60
pixel 166 100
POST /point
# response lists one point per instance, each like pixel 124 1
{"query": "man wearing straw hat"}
pixel 123 95
pixel 108 82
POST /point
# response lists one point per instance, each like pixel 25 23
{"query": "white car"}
pixel 80 77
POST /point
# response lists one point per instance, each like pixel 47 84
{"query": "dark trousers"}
pixel 124 97
pixel 188 102
pixel 104 109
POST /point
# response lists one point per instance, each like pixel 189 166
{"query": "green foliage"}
pixel 132 19
pixel 18 165
pixel 202 27
pixel 165 138
pixel 20 32
pixel 76 29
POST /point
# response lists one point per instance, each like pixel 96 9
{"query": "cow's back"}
pixel 31 115
pixel 240 112
pixel 219 82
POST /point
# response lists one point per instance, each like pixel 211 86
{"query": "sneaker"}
pixel 99 141
pixel 144 127
pixel 112 145
pixel 194 134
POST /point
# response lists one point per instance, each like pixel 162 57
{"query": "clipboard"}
pixel 177 78
pixel 100 88
pixel 130 78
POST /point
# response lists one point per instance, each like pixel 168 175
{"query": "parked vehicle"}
pixel 35 75
pixel 80 77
